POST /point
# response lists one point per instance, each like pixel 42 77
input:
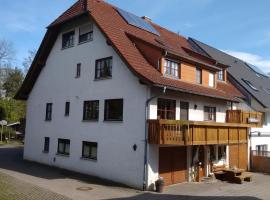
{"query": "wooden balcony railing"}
pixel 255 119
pixel 177 132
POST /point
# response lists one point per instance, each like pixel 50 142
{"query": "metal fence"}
pixel 261 153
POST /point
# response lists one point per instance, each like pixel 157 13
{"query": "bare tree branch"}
pixel 7 52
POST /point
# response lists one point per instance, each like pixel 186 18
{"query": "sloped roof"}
pixel 240 71
pixel 115 28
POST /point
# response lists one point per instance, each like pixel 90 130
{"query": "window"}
pixel 184 107
pixel 89 150
pixel 209 113
pixel 46 145
pixel 250 84
pixel 211 79
pixel 166 109
pixel 86 33
pixel 48 116
pixel 222 152
pixel 198 76
pixel 68 39
pixel 171 68
pixel 114 110
pixel 91 110
pixel 67 108
pixel 262 150
pixel 103 68
pixel 221 75
pixel 78 70
pixel 63 146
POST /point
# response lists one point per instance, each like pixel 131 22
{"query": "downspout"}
pixel 145 170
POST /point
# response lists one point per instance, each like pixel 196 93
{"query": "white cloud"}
pixel 259 61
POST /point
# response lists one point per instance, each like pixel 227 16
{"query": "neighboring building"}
pixel 253 83
pixel 99 73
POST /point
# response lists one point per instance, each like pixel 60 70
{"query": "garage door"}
pixel 238 156
pixel 173 164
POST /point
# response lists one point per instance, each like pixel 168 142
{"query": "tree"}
pixel 28 60
pixel 13 82
pixel 7 52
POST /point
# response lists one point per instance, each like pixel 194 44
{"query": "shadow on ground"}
pixel 152 196
pixel 11 158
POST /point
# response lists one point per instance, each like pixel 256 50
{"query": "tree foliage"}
pixel 13 82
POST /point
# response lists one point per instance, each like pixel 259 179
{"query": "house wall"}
pixel 194 115
pixel 57 84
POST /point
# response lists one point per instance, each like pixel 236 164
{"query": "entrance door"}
pixel 201 159
pixel 173 164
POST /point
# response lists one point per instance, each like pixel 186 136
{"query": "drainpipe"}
pixel 145 170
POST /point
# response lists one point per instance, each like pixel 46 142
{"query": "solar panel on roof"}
pixel 256 69
pixel 137 21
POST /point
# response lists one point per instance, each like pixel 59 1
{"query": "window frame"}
pixel 221 75
pixel 109 68
pixel 67 108
pixel 46 146
pixel 198 69
pixel 94 108
pixel 214 82
pixel 78 70
pixel 65 143
pixel 71 41
pixel 170 68
pixel 90 145
pixel 90 33
pixel 208 110
pixel 49 109
pixel 106 110
pixel 166 108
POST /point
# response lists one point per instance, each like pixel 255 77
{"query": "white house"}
pixel 116 96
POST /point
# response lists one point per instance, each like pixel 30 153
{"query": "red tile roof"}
pixel 115 29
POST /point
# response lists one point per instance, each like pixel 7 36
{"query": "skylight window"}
pixel 137 21
pixel 250 84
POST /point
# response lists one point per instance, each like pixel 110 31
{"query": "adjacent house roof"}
pixel 254 81
pixel 117 31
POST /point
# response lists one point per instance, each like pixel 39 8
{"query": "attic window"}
pixel 171 68
pixel 68 39
pixel 86 33
pixel 250 84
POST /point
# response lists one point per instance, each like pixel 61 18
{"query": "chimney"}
pixel 147 18
pixel 85 5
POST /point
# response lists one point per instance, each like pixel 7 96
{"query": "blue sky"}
pixel 239 27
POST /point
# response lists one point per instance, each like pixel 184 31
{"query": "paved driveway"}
pixel 28 181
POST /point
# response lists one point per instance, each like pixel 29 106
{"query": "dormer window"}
pixel 221 75
pixel 171 68
pixel 86 33
pixel 68 39
pixel 211 79
pixel 250 84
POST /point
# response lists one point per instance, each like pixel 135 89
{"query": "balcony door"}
pixel 166 109
pixel 184 107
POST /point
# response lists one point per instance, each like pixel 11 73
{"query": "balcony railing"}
pixel 255 119
pixel 178 132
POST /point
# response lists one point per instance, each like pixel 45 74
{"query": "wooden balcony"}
pixel 177 132
pixel 255 119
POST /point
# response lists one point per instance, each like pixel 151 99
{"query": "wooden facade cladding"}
pixel 254 119
pixel 184 133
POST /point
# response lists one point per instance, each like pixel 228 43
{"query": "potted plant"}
pixel 160 185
